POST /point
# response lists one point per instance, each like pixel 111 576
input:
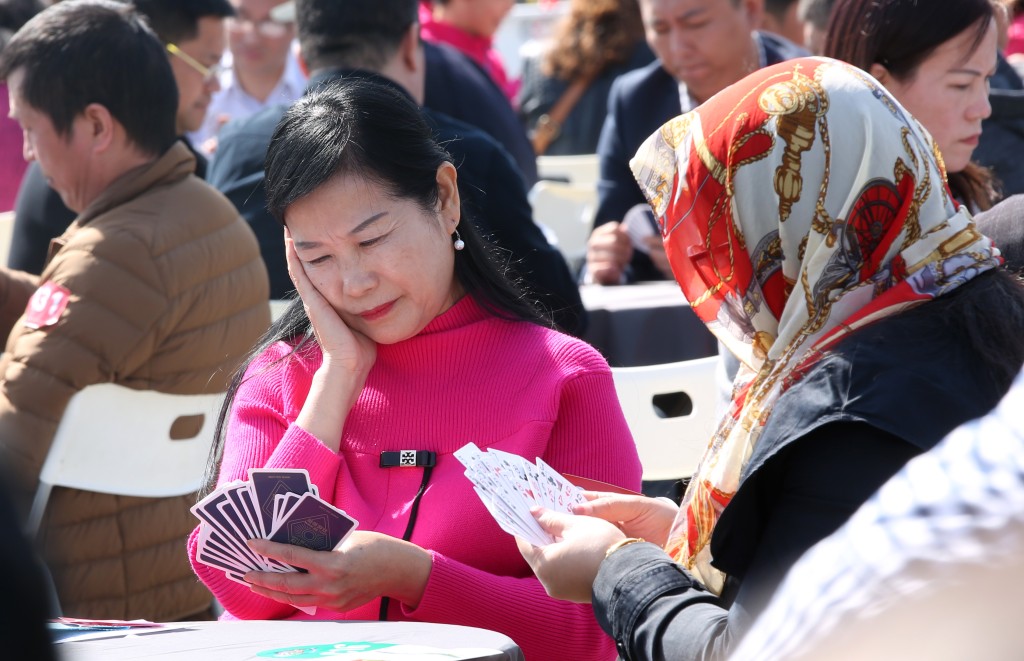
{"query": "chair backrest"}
pixel 578 170
pixel 278 307
pixel 568 211
pixel 669 447
pixel 6 234
pixel 117 440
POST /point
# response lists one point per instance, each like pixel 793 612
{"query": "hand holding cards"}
pixel 276 504
pixel 509 486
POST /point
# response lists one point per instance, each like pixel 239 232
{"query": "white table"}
pixel 647 323
pixel 243 640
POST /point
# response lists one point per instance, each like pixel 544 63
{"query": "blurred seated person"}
pixel 927 569
pixel 263 69
pixel 781 17
pixel 814 15
pixel 591 46
pixel 936 58
pixel 195 28
pixel 1004 224
pixel 470 25
pixel 156 285
pixel 23 614
pixel 459 88
pixel 871 319
pixel 380 39
pixel 698 55
pixel 13 14
pixel 407 336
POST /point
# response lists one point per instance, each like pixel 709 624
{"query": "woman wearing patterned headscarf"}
pixel 808 221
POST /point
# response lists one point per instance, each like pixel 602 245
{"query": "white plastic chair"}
pixel 669 447
pixel 278 307
pixel 577 169
pixel 6 234
pixel 567 211
pixel 117 440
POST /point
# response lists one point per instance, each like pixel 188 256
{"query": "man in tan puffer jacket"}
pixel 158 284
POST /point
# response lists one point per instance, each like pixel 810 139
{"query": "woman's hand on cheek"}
pixel 568 567
pixel 368 565
pixel 340 344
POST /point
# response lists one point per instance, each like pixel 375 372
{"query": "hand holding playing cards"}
pixel 567 568
pixel 636 516
pixel 366 566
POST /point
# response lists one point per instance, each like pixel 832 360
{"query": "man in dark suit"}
pixel 452 78
pixel 702 47
pixel 380 39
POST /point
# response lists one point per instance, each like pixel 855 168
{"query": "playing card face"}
pixel 564 492
pixel 509 486
pixel 313 524
pixel 267 483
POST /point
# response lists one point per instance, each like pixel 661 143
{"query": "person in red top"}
pixel 406 337
pixel 469 25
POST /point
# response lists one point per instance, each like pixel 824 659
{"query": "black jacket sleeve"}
pixel 653 607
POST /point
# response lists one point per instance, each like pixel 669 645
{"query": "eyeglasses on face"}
pixel 208 73
pixel 268 27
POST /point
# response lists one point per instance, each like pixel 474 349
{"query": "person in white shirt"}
pixel 260 68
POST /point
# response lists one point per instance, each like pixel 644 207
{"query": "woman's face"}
pixel 948 93
pixel 384 264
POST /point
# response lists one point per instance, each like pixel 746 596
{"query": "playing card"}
pixel 283 503
pixel 509 486
pixel 266 483
pixel 240 511
pixel 313 524
pixel 566 494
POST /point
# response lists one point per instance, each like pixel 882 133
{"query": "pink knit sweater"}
pixel 467 377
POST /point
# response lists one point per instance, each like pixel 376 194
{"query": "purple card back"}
pixel 267 483
pixel 314 524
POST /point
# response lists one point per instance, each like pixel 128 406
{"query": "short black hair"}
pixel 14 14
pixel 815 12
pixel 79 52
pixel 778 8
pixel 356 34
pixel 175 21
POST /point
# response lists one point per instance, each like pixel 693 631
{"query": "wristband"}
pixel 622 542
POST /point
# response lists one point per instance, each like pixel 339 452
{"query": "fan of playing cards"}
pixel 276 504
pixel 509 486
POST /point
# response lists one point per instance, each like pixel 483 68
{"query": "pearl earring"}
pixel 458 243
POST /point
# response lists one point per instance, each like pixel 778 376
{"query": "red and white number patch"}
pixel 46 305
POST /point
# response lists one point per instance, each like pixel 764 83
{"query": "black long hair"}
pixel 369 129
pixel 900 35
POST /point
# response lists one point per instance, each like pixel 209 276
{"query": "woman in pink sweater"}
pixel 406 337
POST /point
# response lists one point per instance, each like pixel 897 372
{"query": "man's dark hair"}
pixel 14 14
pixel 80 52
pixel 356 34
pixel 175 21
pixel 815 12
pixel 778 8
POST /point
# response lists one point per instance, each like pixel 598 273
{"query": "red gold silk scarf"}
pixel 796 206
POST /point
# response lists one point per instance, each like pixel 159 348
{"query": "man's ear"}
pixel 754 12
pixel 409 47
pixel 303 65
pixel 100 124
pixel 880 73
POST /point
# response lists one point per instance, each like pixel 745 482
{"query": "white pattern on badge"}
pixel 407 458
